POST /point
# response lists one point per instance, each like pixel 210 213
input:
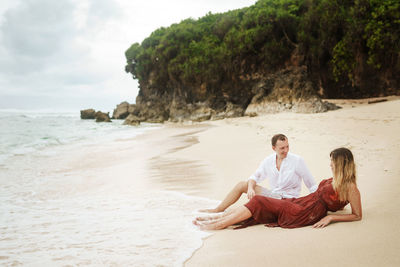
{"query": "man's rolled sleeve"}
pixel 305 174
pixel 260 174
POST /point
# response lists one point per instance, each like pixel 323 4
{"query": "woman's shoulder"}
pixel 327 180
pixel 352 188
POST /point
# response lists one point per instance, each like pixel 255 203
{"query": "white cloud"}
pixel 68 49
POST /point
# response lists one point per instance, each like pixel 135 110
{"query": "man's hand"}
pixel 250 193
pixel 323 222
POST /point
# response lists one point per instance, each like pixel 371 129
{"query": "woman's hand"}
pixel 323 222
pixel 356 211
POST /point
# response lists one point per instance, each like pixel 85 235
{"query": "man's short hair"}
pixel 277 137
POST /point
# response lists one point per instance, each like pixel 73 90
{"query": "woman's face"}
pixel 332 166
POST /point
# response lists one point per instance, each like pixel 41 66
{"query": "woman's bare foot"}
pixel 195 222
pixel 206 225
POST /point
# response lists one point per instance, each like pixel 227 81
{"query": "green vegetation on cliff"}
pixel 350 48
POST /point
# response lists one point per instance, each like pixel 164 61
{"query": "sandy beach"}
pixel 131 199
pixel 122 122
pixel 214 156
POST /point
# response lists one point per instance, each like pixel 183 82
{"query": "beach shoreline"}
pixel 187 165
pixel 96 201
pixel 230 150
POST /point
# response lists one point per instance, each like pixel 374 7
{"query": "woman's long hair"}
pixel 344 173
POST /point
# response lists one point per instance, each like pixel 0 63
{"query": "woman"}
pixel 332 195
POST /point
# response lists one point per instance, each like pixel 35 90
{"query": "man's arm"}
pixel 251 184
pixel 305 174
pixel 259 176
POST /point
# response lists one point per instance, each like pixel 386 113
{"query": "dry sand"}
pixel 213 156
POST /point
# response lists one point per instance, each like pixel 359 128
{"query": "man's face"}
pixel 281 148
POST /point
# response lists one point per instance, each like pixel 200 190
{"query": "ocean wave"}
pixel 22 133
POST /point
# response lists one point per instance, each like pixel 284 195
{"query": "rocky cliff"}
pixel 287 90
pixel 276 55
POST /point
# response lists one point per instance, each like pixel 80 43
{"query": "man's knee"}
pixel 242 186
pixel 257 198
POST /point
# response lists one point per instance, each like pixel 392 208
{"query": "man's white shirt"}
pixel 287 181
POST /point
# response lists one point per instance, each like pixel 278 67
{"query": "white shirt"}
pixel 287 181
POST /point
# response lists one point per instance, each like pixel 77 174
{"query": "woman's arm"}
pixel 354 198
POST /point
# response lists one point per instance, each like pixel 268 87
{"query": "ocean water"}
pixel 66 198
pixel 24 131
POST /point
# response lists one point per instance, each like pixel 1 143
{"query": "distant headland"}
pixel 272 56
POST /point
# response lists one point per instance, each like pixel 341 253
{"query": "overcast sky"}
pixel 69 54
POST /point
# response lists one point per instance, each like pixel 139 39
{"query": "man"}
pixel 284 171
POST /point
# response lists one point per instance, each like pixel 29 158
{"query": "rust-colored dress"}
pixel 294 212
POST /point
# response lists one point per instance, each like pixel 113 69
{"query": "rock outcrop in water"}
pixel 123 110
pixel 88 114
pixel 91 114
pixel 102 117
pixel 133 120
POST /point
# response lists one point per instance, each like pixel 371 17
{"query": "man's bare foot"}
pixel 210 210
pixel 203 218
pixel 209 218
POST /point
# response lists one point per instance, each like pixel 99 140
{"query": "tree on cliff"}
pixel 350 48
pixel 353 46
